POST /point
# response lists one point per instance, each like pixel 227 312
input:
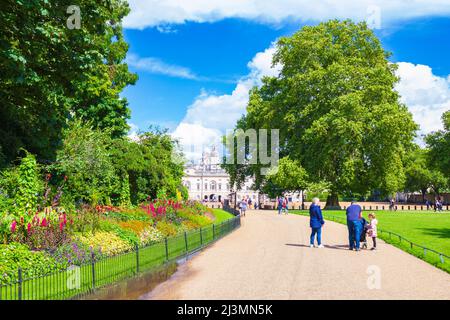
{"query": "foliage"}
pixel 149 164
pixel 28 184
pixel 48 72
pixel 335 105
pixel 290 176
pixel 86 163
pixel 150 235
pixel 33 263
pixel 124 194
pixel 75 253
pixel 86 219
pixel 439 144
pixel 125 234
pixel 136 226
pixel 166 228
pixel 107 243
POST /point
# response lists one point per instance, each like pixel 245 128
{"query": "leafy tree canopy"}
pixel 336 108
pixel 48 72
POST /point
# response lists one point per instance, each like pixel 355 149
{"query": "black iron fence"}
pixel 77 281
pixel 370 207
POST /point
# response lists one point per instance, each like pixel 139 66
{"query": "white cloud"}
pixel 155 65
pixel 426 95
pixel 133 133
pixel 208 118
pixel 151 13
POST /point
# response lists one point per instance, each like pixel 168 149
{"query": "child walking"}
pixel 372 230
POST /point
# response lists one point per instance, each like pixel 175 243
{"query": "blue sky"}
pixel 196 61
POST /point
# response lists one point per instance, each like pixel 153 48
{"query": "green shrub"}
pixel 124 234
pixel 33 263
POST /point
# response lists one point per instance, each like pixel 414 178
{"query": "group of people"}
pixel 282 205
pixel 437 205
pixel 246 203
pixel 358 228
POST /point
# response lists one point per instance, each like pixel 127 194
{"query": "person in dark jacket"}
pixel 354 214
pixel 316 222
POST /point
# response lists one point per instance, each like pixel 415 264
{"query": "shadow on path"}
pixel 336 247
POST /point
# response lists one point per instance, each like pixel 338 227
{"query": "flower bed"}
pixel 53 239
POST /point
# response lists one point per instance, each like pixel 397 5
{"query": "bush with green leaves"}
pixel 33 263
pixel 86 163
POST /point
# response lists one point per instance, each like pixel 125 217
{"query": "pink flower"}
pixel 61 226
pixel 13 226
pixel 29 227
pixel 44 222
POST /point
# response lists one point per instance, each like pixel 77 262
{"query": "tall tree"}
pixel 439 144
pixel 335 105
pixel 49 72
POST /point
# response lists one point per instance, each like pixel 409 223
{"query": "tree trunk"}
pixel 424 191
pixel 332 202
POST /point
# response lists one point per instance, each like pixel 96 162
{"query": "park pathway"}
pixel 269 258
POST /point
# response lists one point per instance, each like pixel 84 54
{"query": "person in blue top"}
pixel 354 214
pixel 315 222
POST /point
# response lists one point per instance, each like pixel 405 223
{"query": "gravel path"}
pixel 269 258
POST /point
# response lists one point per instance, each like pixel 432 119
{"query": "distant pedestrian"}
pixel 279 204
pixel 354 214
pixel 392 204
pixel 243 207
pixel 372 231
pixel 427 203
pixel 315 222
pixel 285 205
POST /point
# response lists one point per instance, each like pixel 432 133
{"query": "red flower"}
pixel 44 222
pixel 29 227
pixel 13 226
pixel 61 226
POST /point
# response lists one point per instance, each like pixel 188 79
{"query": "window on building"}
pixel 198 186
pixel 219 186
pixel 206 186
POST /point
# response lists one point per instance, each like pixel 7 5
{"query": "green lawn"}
pixel 221 215
pixel 430 230
pixel 112 269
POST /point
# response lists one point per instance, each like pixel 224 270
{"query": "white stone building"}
pixel 208 181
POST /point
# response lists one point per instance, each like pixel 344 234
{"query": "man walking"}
pixel 354 214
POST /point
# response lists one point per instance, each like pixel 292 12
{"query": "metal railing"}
pixel 77 281
pixel 432 256
pixel 399 207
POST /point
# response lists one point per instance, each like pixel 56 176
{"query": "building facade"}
pixel 208 181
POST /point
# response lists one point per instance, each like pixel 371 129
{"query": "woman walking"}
pixel 315 222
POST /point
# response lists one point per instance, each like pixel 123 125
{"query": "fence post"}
pixel 93 270
pixel 201 237
pixel 167 249
pixel 137 258
pixel 20 284
pixel 186 242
